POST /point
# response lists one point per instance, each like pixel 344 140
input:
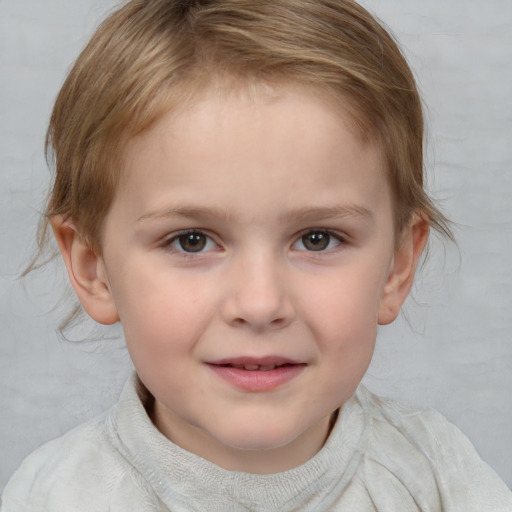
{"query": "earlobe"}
pixel 401 276
pixel 86 271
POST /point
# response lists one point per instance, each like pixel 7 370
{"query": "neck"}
pixel 275 460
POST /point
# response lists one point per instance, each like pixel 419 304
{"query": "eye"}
pixel 191 242
pixel 319 240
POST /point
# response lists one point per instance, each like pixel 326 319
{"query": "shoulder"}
pixel 61 474
pixel 430 456
pixel 421 427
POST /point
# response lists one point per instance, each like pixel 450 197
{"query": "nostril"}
pixel 257 311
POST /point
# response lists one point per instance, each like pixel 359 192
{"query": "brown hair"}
pixel 150 55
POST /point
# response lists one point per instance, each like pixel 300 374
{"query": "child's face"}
pixel 248 233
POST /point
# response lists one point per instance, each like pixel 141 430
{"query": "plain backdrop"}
pixel 452 349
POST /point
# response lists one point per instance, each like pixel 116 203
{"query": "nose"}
pixel 258 296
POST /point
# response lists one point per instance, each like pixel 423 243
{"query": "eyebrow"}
pixel 331 212
pixel 303 214
pixel 187 212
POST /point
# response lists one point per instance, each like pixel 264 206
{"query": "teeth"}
pixel 254 367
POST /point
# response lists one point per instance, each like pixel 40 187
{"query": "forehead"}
pixel 288 142
pixel 212 98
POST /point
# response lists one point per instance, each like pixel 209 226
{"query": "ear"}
pixel 412 242
pixel 86 271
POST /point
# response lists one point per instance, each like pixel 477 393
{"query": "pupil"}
pixel 316 241
pixel 192 242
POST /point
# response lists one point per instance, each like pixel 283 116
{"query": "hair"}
pixel 150 56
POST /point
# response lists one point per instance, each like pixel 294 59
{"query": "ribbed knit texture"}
pixel 381 456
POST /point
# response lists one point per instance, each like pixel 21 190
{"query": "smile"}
pixel 255 367
pixel 257 375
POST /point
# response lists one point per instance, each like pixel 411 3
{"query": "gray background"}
pixel 451 351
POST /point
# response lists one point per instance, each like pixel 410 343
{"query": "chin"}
pixel 260 437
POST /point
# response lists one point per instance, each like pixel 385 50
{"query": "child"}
pixel 239 183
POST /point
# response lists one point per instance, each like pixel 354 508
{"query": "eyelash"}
pixel 330 236
pixel 168 243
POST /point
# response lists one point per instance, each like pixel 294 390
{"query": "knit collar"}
pixel 185 481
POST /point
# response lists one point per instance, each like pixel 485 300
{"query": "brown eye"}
pixel 192 242
pixel 316 241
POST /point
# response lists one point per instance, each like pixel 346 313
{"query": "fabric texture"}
pixel 382 455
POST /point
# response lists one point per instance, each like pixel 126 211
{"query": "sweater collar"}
pixel 185 481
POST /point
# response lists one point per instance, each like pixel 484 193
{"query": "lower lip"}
pixel 257 380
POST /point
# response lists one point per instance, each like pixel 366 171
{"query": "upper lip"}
pixel 245 361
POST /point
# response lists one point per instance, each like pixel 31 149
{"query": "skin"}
pixel 259 179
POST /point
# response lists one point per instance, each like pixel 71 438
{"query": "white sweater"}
pixel 381 456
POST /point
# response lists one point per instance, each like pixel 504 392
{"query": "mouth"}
pixel 257 374
pixel 251 364
pixel 255 367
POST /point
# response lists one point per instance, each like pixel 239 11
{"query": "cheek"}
pixel 162 315
pixel 347 301
pixel 342 315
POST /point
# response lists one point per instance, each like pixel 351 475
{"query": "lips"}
pixel 257 374
pixel 256 363
pixel 254 367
